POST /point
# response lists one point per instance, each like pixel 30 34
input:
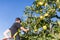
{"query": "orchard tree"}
pixel 39 20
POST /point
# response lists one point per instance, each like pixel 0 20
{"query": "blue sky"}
pixel 9 10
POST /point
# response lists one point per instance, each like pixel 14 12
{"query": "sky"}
pixel 9 10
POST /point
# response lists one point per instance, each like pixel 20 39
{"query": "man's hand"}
pixel 26 30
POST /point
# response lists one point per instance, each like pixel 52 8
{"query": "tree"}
pixel 39 21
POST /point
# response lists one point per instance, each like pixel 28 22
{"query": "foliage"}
pixel 39 20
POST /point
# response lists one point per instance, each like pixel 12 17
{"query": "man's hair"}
pixel 17 19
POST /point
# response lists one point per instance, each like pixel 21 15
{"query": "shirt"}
pixel 14 28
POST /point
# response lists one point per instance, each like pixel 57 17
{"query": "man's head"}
pixel 18 20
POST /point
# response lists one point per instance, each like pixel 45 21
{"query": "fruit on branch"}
pixel 35 30
pixel 58 22
pixel 41 17
pixel 45 4
pixel 37 11
pixel 59 6
pixel 37 5
pixel 46 14
pixel 44 27
pixel 57 1
pixel 40 3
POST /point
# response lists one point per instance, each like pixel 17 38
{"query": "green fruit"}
pixel 44 27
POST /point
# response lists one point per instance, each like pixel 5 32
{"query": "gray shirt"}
pixel 14 28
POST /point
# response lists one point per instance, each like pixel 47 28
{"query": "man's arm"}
pixel 6 32
pixel 22 28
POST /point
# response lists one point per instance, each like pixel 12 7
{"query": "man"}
pixel 14 28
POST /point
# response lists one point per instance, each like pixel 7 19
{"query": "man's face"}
pixel 18 21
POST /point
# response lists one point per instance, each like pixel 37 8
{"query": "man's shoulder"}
pixel 16 23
